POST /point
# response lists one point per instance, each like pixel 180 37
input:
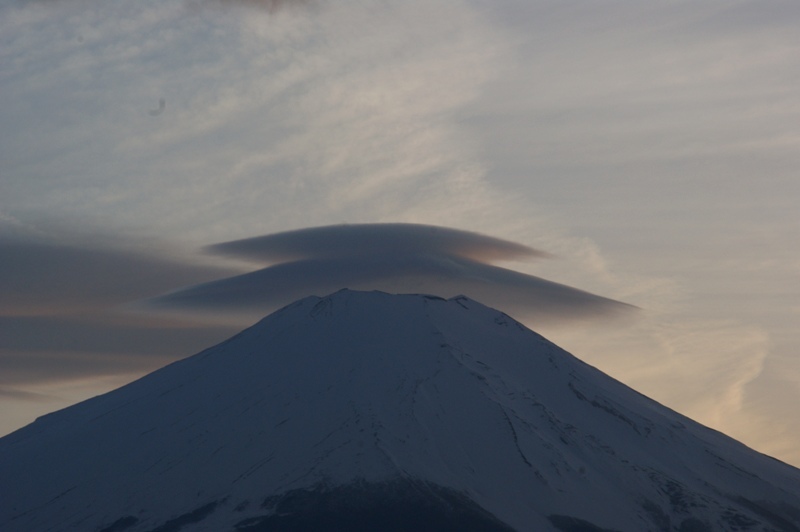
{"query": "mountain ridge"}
pixel 444 397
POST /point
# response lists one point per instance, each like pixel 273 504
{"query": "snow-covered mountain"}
pixel 368 411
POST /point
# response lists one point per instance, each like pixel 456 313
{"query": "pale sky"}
pixel 650 149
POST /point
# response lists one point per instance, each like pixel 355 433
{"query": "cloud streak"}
pixel 46 276
pixel 64 312
pixel 389 257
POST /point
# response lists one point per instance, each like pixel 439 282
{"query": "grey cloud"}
pixel 43 276
pixel 20 370
pixel 272 6
pixel 124 335
pixel 53 348
pixel 13 393
pixel 62 301
pixel 389 257
pixel 386 240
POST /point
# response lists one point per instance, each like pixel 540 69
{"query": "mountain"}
pixel 368 411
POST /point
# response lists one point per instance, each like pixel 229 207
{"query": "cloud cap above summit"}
pixel 400 258
pixel 385 239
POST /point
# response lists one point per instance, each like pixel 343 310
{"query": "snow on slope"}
pixel 370 389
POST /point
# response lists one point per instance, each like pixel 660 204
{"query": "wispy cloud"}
pixel 249 117
pixel 66 347
pixel 13 393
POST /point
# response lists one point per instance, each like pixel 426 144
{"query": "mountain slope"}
pixel 393 412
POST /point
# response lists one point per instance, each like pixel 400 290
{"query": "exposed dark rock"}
pixel 397 506
pixel 195 516
pixel 566 523
pixel 121 524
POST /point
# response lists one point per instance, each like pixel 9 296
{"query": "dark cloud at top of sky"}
pixel 395 240
pixel 399 258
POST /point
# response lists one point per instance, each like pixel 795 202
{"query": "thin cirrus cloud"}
pixel 390 257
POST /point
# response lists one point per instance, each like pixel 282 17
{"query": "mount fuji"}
pixel 369 411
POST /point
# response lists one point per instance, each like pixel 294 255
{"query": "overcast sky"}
pixel 645 153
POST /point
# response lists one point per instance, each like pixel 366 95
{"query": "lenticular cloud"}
pixel 374 240
pixel 398 258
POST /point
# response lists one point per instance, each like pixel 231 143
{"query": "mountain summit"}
pixel 368 411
